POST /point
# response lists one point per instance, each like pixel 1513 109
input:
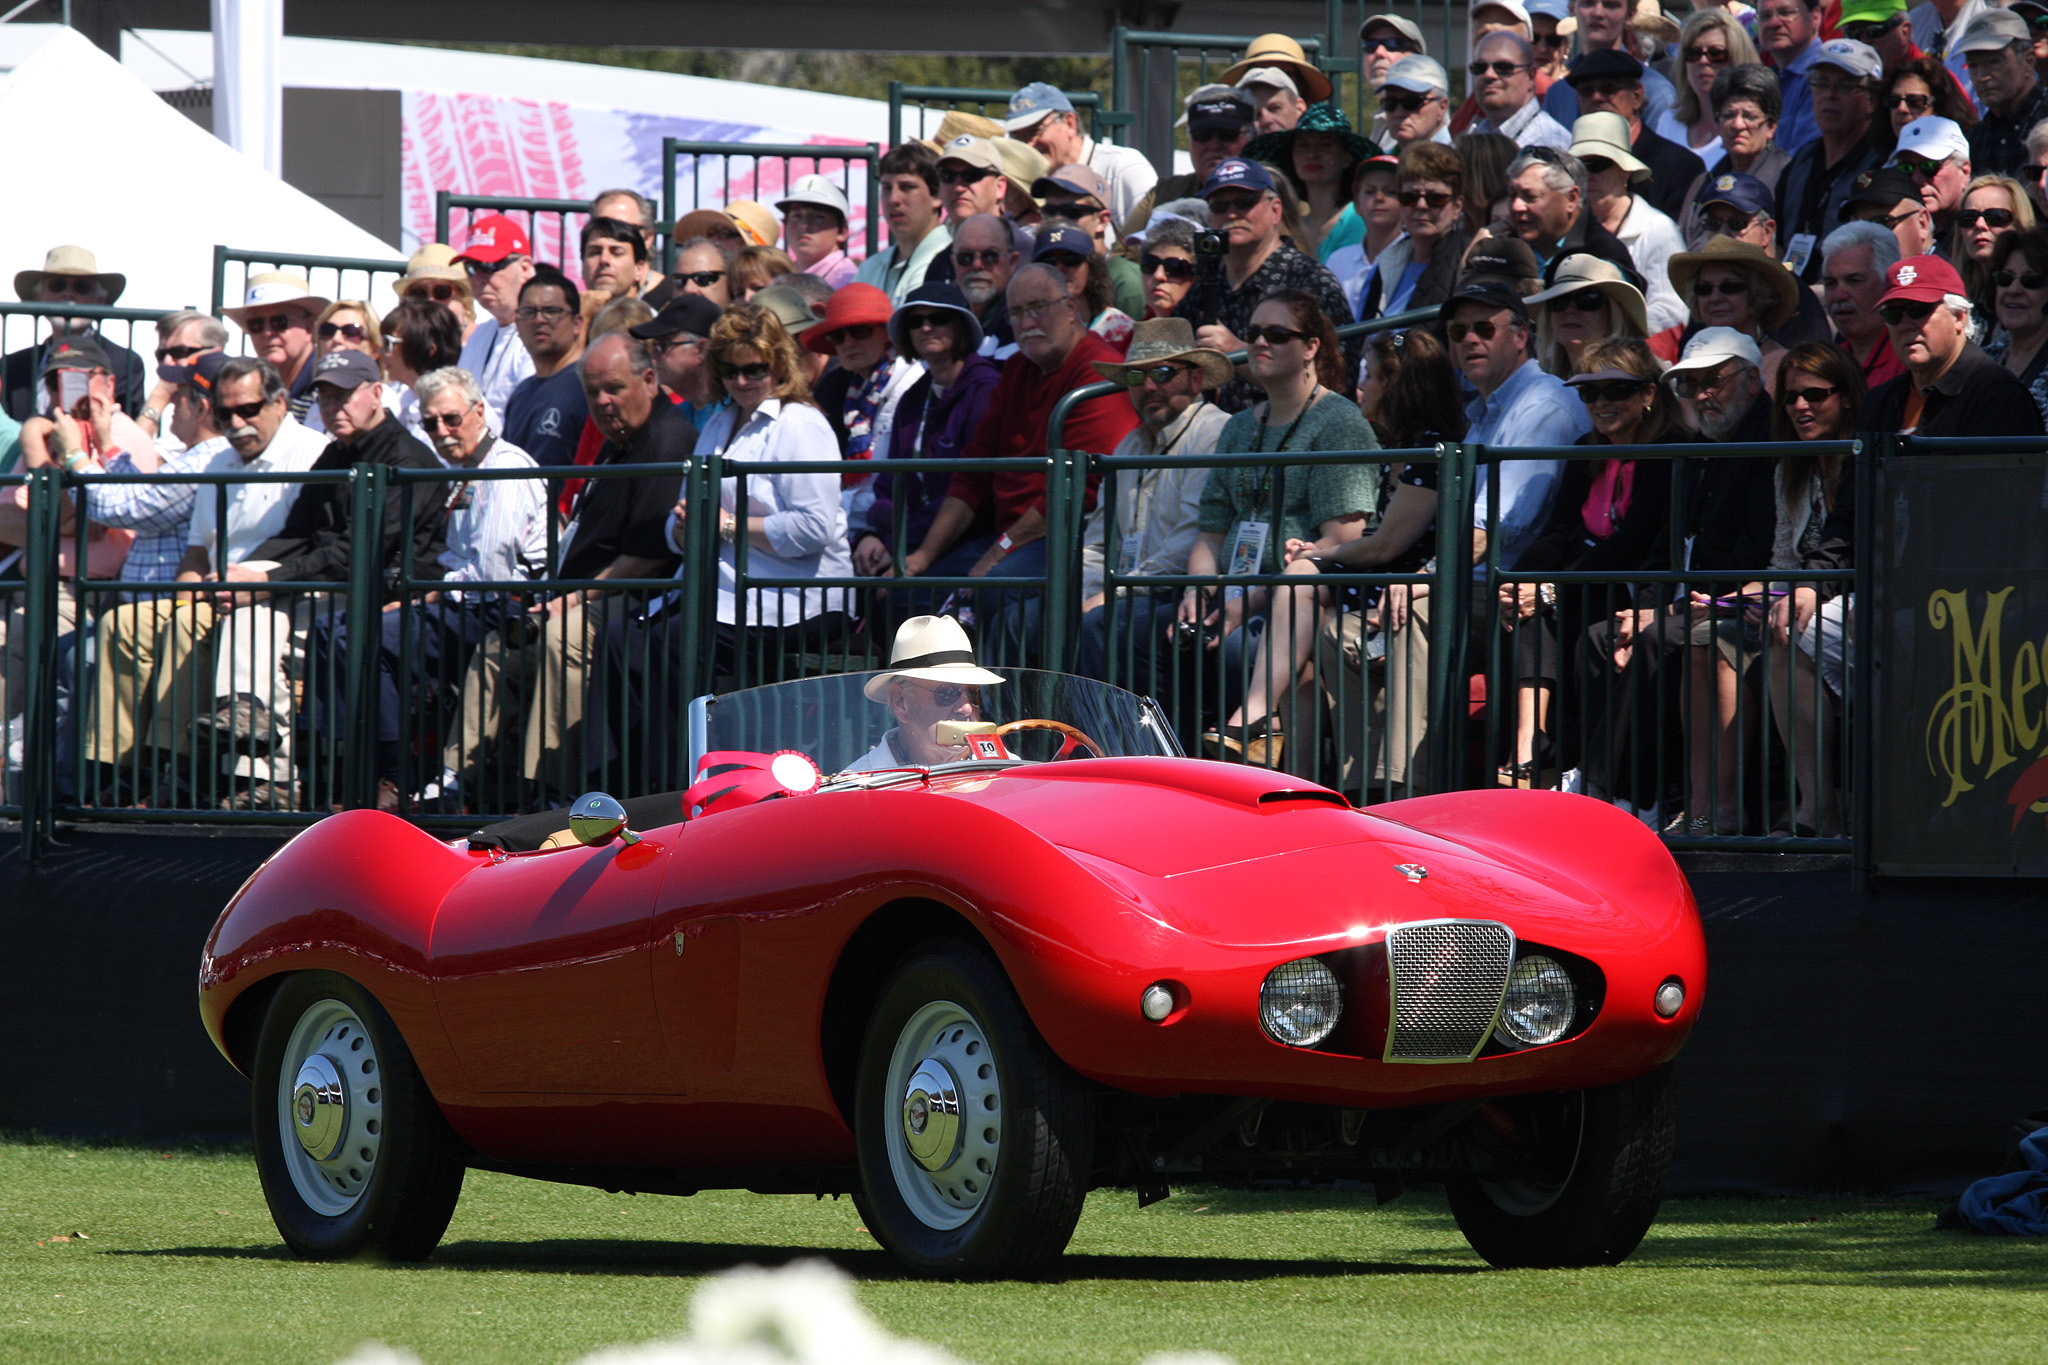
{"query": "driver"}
pixel 931 677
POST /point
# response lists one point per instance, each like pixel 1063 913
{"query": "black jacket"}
pixel 1811 200
pixel 1977 397
pixel 1732 507
pixel 19 381
pixel 315 542
pixel 1672 169
pixel 630 516
pixel 1644 528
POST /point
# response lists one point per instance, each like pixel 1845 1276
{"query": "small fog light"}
pixel 1156 1003
pixel 1670 999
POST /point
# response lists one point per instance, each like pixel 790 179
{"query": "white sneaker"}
pixel 1570 781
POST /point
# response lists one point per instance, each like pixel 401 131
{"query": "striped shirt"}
pixel 497 528
pixel 160 514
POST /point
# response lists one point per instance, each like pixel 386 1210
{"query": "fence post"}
pixel 895 113
pixel 365 635
pixel 442 213
pixel 39 619
pixel 220 279
pixel 1870 450
pixel 1449 617
pixel 700 570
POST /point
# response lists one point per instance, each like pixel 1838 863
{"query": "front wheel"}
pixel 972 1135
pixel 354 1154
pixel 1585 1174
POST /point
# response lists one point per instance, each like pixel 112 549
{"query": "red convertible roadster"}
pixel 968 991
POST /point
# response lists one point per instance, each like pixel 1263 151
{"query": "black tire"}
pixel 1019 1169
pixel 1591 1175
pixel 390 1186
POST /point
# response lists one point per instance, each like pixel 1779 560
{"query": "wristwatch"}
pixel 149 415
pixel 728 527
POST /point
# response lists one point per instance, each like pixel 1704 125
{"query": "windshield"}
pixel 832 721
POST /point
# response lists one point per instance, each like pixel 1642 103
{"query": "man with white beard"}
pixel 984 258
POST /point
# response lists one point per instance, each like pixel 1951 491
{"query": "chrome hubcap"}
pixel 330 1107
pixel 944 1127
pixel 320 1108
pixel 931 1116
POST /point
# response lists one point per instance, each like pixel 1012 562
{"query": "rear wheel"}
pixel 354 1154
pixel 972 1135
pixel 1587 1175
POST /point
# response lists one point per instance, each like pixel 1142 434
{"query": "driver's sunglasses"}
pixel 948 695
pixel 1401 45
pixel 1073 212
pixel 1553 41
pixel 1501 69
pixel 750 374
pixel 973 175
pixel 989 257
pixel 81 285
pixel 276 322
pixel 1610 390
pixel 1458 331
pixel 1173 267
pixel 855 331
pixel 1162 375
pixel 1436 199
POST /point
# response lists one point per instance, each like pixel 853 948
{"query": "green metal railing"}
pixel 333 277
pixel 556 238
pixel 855 175
pixel 925 99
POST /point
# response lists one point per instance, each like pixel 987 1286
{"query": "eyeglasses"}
pixel 1919 167
pixel 973 175
pixel 2032 279
pixel 1693 385
pixel 246 411
pixel 1727 224
pixel 430 420
pixel 438 293
pixel 1813 397
pixel 1458 331
pixel 858 331
pixel 483 270
pixel 1892 220
pixel 1436 199
pixel 1741 118
pixel 1036 310
pixel 1227 133
pixel 946 696
pixel 81 285
pixel 703 279
pixel 1073 211
pixel 1385 45
pixel 1870 30
pixel 927 318
pixel 1501 69
pixel 1161 375
pixel 2030 172
pixel 1727 289
pixel 1065 260
pixel 1610 390
pixel 1904 310
pixel 991 257
pixel 1553 41
pixel 180 354
pixel 1712 56
pixel 1995 218
pixel 1274 336
pixel 1585 301
pixel 664 347
pixel 759 370
pixel 1173 267
pixel 1404 104
pixel 553 313
pixel 1833 87
pixel 330 330
pixel 1605 90
pixel 1915 105
pixel 276 322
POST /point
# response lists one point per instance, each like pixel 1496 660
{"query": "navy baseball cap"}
pixel 1235 173
pixel 201 371
pixel 1062 237
pixel 347 370
pixel 1745 193
pixel 1492 294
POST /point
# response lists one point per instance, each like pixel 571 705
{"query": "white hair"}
pixel 1882 241
pixel 1957 304
pixel 2037 139
pixel 448 377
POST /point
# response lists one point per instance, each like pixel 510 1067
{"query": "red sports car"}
pixel 968 991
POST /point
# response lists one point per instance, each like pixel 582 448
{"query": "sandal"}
pixel 1261 746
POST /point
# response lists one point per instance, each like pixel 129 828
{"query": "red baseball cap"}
pixel 1922 279
pixel 492 238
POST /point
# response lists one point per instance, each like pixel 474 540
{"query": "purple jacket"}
pixel 946 433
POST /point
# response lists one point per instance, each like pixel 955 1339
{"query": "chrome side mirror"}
pixel 596 818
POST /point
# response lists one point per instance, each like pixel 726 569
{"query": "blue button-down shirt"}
pixel 1532 408
pixel 1796 127
pixel 158 513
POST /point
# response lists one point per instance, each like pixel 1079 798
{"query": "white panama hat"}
pixel 930 649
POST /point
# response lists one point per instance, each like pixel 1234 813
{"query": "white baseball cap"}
pixel 814 189
pixel 1933 137
pixel 1712 346
pixel 1423 75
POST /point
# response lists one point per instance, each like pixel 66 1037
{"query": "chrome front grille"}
pixel 1447 979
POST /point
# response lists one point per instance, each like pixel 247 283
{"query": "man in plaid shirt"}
pixel 160 514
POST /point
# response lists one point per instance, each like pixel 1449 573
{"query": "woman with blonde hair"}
pixel 1993 205
pixel 1711 41
pixel 348 325
pixel 754 268
pixel 1589 300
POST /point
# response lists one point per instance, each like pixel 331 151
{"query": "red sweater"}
pixel 1015 425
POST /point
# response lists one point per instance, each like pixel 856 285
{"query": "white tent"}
pixel 151 193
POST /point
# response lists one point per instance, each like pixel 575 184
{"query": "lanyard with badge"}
pixel 1132 554
pixel 1248 550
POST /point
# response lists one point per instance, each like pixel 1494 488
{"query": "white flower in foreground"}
pixel 805 1312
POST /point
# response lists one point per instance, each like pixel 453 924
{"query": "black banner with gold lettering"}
pixel 1961 753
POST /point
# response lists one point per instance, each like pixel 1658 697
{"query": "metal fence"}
pixel 554 226
pixel 922 101
pixel 331 277
pixel 703 174
pixel 27 325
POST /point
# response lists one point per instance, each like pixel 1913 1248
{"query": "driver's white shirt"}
pixel 882 756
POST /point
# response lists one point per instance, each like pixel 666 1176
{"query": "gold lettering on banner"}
pixel 1976 725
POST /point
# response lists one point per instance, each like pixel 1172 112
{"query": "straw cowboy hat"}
pixel 1580 272
pixel 69 260
pixel 434 261
pixel 269 288
pixel 756 222
pixel 1277 49
pixel 1686 266
pixel 960 123
pixel 1157 341
pixel 930 649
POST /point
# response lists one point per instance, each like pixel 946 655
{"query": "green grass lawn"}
pixel 179 1262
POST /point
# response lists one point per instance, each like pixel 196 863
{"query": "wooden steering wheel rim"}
pixel 1074 736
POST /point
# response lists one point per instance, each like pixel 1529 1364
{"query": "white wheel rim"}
pixel 330 1107
pixel 942 1115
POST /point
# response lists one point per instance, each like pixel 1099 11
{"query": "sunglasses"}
pixel 1912 104
pixel 431 420
pixel 1274 336
pixel 1605 90
pixel 703 279
pixel 1458 331
pixel 1919 167
pixel 1996 218
pixel 180 354
pixel 1610 390
pixel 750 373
pixel 1727 224
pixel 1501 69
pixel 81 285
pixel 246 411
pixel 1903 310
pixel 1436 199
pixel 1161 375
pixel 1693 385
pixel 1065 260
pixel 991 257
pixel 1404 104
pixel 2030 172
pixel 1073 212
pixel 973 175
pixel 859 331
pixel 276 322
pixel 1553 41
pixel 1385 45
pixel 437 293
pixel 1813 397
pixel 1727 289
pixel 1234 205
pixel 1585 301
pixel 2032 279
pixel 1173 267
pixel 1712 56
pixel 483 270
pixel 923 318
pixel 1596 165
pixel 554 313
pixel 1869 31
pixel 330 330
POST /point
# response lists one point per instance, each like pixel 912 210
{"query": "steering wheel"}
pixel 1075 739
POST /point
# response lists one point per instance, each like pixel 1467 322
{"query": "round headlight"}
pixel 1299 1002
pixel 1540 1003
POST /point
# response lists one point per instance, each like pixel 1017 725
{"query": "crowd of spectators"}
pixel 1794 222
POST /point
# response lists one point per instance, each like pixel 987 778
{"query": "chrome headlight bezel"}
pixel 1300 1002
pixel 1540 1004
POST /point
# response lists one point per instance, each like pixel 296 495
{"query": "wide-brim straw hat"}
pixel 1156 341
pixel 69 260
pixel 1685 268
pixel 930 649
pixel 1580 272
pixel 269 288
pixel 1277 49
pixel 960 123
pixel 434 261
pixel 1651 21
